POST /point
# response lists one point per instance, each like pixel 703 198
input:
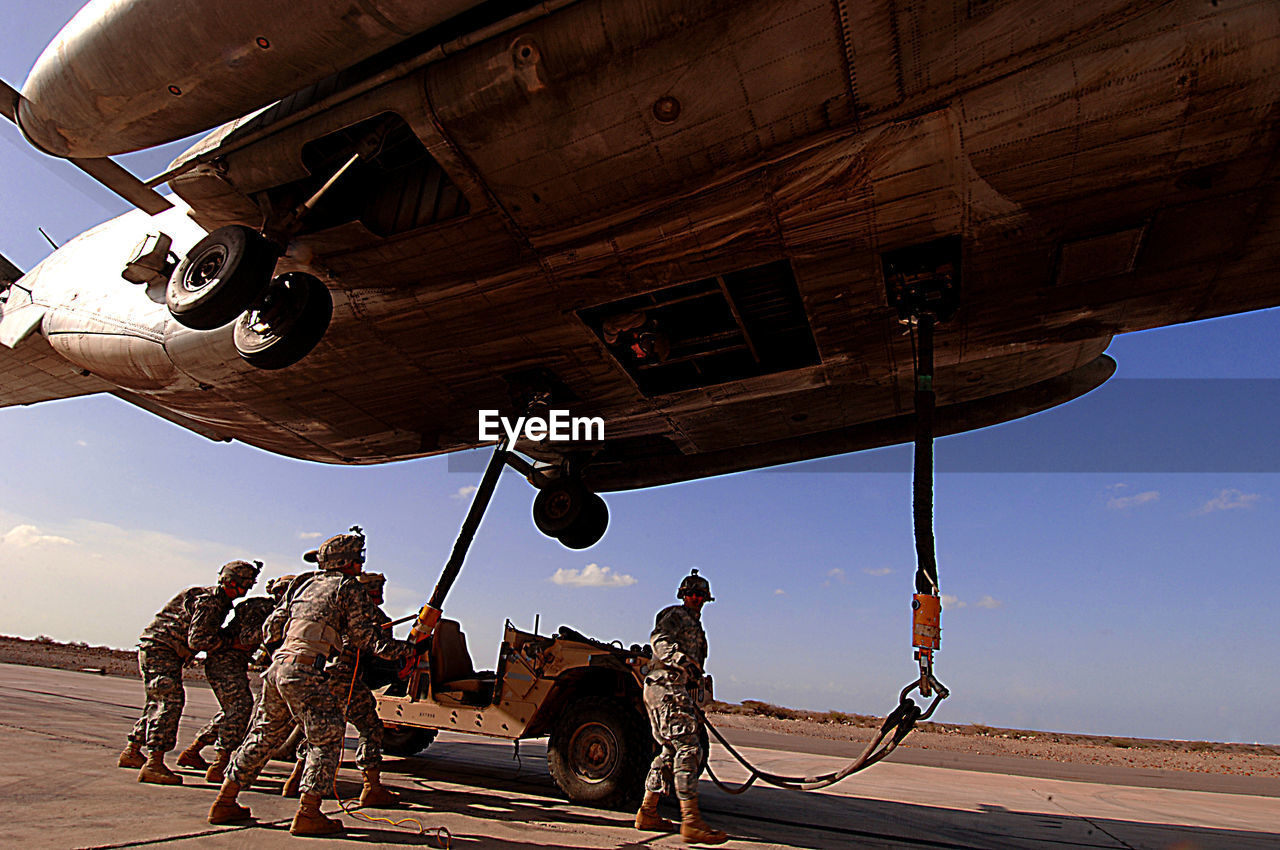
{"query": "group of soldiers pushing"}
pixel 312 628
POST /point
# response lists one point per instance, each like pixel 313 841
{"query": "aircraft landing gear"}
pixel 225 273
pixel 286 323
pixel 566 510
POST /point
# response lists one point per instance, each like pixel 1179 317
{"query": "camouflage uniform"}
pixel 227 669
pixel 361 709
pixel 189 624
pixel 677 639
pixel 323 611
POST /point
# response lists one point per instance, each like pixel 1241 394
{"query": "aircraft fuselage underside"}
pixel 677 214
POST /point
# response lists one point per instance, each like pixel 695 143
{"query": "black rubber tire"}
pixel 558 505
pixel 405 741
pixel 600 751
pixel 285 342
pixel 220 277
pixel 589 527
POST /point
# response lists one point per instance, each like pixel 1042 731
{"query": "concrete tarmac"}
pixel 60 733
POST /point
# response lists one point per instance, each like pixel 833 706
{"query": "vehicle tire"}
pixel 589 527
pixel 558 505
pixel 220 277
pixel 286 323
pixel 405 741
pixel 600 751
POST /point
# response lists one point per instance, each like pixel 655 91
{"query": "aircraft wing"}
pixel 30 370
pixel 34 372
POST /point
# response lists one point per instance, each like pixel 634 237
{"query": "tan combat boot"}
pixel 154 770
pixel 217 771
pixel 374 793
pixel 692 828
pixel 293 783
pixel 131 756
pixel 309 820
pixel 648 818
pixel 190 757
pixel 225 808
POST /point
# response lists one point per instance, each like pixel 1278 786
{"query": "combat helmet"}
pixel 341 547
pixel 278 585
pixel 240 572
pixel 695 585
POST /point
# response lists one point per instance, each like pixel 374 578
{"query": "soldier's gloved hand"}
pixel 410 664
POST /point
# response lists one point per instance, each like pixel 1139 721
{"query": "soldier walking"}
pixel 319 611
pixel 227 669
pixel 188 624
pixel 679 654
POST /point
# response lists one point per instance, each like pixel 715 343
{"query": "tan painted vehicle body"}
pixel 582 693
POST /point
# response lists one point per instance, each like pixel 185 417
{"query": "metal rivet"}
pixel 666 109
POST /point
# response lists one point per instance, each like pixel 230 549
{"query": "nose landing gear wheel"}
pixel 559 505
pixel 220 277
pixel 286 324
pixel 589 527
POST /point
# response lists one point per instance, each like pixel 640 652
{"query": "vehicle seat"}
pixel 451 668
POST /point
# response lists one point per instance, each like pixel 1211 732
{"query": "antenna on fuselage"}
pixel 48 238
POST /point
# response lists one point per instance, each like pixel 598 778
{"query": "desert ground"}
pixel 1115 751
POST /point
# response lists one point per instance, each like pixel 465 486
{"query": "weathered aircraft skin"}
pixel 130 74
pixel 1105 166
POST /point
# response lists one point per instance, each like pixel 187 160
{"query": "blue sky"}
pixel 1092 585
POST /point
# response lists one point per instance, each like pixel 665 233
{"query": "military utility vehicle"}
pixel 583 693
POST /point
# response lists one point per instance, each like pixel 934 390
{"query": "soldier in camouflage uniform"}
pixel 679 654
pixel 318 612
pixel 361 710
pixel 227 669
pixel 189 624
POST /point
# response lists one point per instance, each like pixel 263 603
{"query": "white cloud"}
pixel 592 575
pixel 310 535
pixel 1228 500
pixel 989 602
pixel 878 571
pixel 834 575
pixel 77 579
pixel 464 492
pixel 950 601
pixel 1120 503
pixel 81 443
pixel 779 592
pixel 27 536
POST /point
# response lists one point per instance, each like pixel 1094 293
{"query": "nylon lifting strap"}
pixel 925 605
